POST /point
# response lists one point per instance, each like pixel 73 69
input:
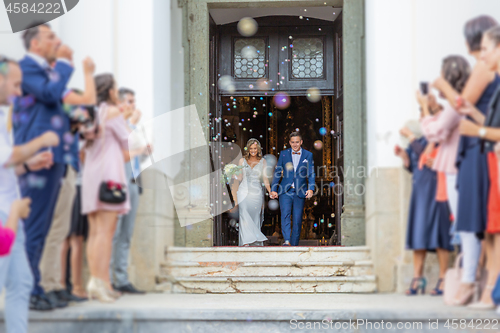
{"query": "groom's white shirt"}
pixel 296 159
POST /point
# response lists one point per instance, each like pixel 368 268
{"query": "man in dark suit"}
pixel 296 165
pixel 39 109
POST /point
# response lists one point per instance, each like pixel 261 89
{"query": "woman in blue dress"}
pixel 472 165
pixel 428 219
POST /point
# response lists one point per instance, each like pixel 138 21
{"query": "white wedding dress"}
pixel 251 205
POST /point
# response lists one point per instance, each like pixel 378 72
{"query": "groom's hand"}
pixel 274 195
pixel 309 194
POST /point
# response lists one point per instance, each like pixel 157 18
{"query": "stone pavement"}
pixel 243 313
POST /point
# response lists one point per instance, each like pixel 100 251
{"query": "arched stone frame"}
pixel 196 77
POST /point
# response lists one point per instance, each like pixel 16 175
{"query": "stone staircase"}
pixel 329 269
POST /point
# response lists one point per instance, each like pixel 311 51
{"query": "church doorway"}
pixel 291 79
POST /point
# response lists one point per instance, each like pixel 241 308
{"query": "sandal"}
pixel 437 291
pixel 422 282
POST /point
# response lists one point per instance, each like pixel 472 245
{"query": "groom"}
pixel 296 165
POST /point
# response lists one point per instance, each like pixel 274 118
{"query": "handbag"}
pixel 453 279
pixel 110 191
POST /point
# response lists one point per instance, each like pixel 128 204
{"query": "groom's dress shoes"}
pixel 129 289
pixel 55 300
pixel 40 303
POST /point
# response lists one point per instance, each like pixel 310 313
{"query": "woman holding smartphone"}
pixel 472 177
pixel 489 133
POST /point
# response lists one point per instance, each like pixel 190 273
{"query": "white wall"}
pixel 405 44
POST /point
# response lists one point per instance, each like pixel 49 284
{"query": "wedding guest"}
pixel 104 165
pixel 442 127
pixel 50 266
pixel 72 280
pixel 489 133
pixel 39 110
pixel 429 215
pixel 472 177
pixel 125 227
pixel 15 272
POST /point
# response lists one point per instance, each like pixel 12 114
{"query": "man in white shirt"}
pixel 15 271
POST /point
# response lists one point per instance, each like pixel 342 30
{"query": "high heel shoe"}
pixel 97 290
pixel 422 282
pixel 481 305
pixel 113 293
pixel 437 291
pixel 468 297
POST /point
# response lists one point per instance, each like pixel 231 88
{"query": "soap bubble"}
pixel 322 131
pixel 56 122
pixel 247 26
pixel 35 181
pixel 282 100
pixel 318 144
pixel 273 204
pixel 226 83
pixel 313 95
pixel 68 159
pixel 263 84
pixel 289 166
pixel 249 52
pixel 68 138
pixel 27 101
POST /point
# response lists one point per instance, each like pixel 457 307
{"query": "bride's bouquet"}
pixel 230 170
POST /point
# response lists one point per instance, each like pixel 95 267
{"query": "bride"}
pixel 250 195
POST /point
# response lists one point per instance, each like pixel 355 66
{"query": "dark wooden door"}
pixel 292 56
pixel 338 124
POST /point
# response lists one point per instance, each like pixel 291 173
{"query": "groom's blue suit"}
pixel 297 180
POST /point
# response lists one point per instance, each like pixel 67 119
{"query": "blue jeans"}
pixel 16 273
pixel 122 238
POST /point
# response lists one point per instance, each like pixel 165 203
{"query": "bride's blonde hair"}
pixel 247 149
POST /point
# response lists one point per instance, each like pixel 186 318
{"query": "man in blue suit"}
pixel 38 110
pixel 296 165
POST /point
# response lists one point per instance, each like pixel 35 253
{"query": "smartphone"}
pixel 424 88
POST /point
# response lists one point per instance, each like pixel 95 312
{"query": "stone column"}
pixel 353 218
pixel 153 231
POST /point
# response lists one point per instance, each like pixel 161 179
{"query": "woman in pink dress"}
pixel 104 161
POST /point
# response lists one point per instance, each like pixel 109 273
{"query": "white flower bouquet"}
pixel 230 170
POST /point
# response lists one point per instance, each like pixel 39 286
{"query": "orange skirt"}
pixel 493 221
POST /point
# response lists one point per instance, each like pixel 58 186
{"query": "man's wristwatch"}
pixel 26 167
pixel 482 132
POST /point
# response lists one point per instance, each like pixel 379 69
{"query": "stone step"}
pixel 268 253
pixel 268 268
pixel 333 284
